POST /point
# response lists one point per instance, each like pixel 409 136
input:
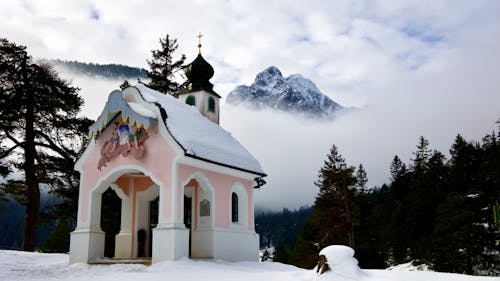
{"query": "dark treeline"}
pixel 435 211
pixel 280 229
pixel 11 223
pixel 110 71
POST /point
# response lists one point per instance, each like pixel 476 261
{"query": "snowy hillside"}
pixel 15 265
pixel 291 94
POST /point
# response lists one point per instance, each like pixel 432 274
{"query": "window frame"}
pixel 211 104
pixel 234 207
pixel 189 98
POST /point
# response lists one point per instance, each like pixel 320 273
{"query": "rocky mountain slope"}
pixel 294 94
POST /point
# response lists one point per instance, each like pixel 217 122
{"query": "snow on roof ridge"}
pixel 200 137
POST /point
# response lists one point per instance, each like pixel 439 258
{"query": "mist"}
pixel 437 102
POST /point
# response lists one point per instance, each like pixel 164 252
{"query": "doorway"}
pixel 153 221
pixel 188 206
pixel 111 208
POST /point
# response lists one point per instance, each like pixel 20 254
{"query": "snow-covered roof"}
pixel 199 137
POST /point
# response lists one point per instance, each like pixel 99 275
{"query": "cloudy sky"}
pixel 411 68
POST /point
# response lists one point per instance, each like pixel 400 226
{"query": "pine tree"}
pixel 40 133
pixel 58 241
pixel 332 221
pixel 361 178
pixel 124 85
pixel 421 155
pixel 336 182
pixel 397 169
pixel 163 68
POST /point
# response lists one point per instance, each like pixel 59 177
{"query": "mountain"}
pixel 294 94
pixel 108 71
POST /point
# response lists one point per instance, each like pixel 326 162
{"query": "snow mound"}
pixel 409 266
pixel 341 262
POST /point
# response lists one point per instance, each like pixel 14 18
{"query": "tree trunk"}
pixel 348 216
pixel 31 218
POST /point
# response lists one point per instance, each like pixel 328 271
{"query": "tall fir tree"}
pixel 164 68
pixel 336 182
pixel 361 178
pixel 332 222
pixel 397 169
pixel 40 133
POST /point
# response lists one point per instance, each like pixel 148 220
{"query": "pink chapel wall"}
pixel 222 185
pixel 158 158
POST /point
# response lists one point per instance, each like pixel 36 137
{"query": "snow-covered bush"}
pixel 340 264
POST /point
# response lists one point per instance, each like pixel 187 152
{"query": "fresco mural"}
pixel 126 140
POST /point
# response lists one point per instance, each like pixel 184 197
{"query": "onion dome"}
pixel 199 71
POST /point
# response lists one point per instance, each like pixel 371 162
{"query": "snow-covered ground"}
pixel 16 265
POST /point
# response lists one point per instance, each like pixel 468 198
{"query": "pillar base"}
pixel 236 245
pixel 86 245
pixel 170 243
pixel 123 245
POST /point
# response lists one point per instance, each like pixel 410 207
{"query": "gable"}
pixel 132 113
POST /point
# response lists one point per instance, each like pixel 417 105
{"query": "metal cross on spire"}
pixel 199 41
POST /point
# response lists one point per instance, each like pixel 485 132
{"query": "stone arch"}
pixel 206 187
pixel 201 234
pixel 96 243
pixel 108 181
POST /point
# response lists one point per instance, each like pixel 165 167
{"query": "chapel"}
pixel 185 184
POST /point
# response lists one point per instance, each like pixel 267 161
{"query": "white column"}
pixel 170 237
pixel 124 239
pixel 87 241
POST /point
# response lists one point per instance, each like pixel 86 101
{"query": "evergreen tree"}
pixel 124 85
pixel 306 248
pixel 361 178
pixel 421 155
pixel 336 182
pixel 397 169
pixel 40 132
pixel 58 241
pixel 465 234
pixel 336 209
pixel 163 67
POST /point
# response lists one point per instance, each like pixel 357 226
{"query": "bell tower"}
pixel 200 91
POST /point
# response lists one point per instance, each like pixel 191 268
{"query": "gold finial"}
pixel 199 42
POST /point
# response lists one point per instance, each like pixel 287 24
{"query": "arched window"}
pixel 234 207
pixel 204 208
pixel 191 100
pixel 211 104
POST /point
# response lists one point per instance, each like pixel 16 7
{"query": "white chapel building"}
pixel 186 185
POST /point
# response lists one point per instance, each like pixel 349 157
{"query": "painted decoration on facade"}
pixel 126 140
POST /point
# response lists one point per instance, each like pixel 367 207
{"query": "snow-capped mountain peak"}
pixel 294 94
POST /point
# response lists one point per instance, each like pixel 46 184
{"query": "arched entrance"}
pixel 199 215
pixel 110 220
pixel 133 191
